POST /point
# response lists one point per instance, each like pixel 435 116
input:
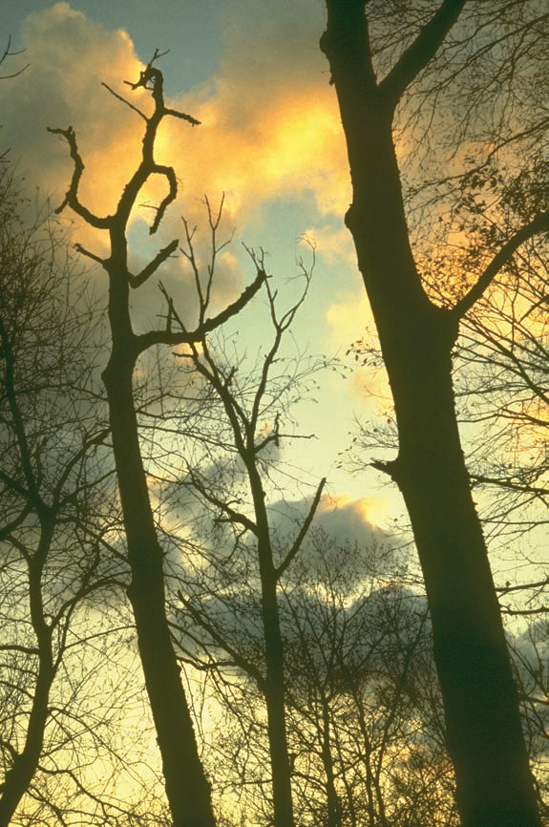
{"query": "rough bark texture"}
pixel 494 783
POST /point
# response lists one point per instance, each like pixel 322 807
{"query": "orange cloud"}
pixel 290 146
pixel 372 511
pixel 270 127
pixel 264 133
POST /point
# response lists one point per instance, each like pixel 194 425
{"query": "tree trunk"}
pixel 274 655
pixel 274 702
pixel 187 788
pixel 333 814
pixel 19 778
pixel 494 783
pixel 484 738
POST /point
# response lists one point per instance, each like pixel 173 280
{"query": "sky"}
pixel 270 138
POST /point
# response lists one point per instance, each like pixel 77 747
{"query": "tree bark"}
pixel 494 783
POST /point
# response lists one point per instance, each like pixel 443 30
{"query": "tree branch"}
pixel 152 267
pixel 158 337
pixel 183 115
pixel 6 530
pixel 422 50
pixel 5 54
pixel 120 98
pixel 538 225
pixel 303 530
pixel 71 197
pixel 232 515
pixel 169 173
pixel 83 251
pixel 520 587
pixel 15 647
pixel 238 659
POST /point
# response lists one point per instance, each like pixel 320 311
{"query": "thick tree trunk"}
pixel 187 788
pixel 494 783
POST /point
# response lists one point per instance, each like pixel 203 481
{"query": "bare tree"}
pixel 7 53
pixel 54 484
pixel 374 74
pixel 529 648
pixel 187 787
pixel 504 351
pixel 247 429
pixel 365 709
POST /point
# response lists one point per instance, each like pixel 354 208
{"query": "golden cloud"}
pixel 372 511
pixel 350 320
pixel 255 147
pixel 280 150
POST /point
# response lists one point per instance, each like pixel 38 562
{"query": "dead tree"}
pixel 187 787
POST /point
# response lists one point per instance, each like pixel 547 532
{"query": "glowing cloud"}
pixel 270 126
pixel 352 515
pixel 69 58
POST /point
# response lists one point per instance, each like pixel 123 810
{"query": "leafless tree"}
pixel 56 562
pixel 387 79
pixel 187 787
pixel 7 53
pixel 240 444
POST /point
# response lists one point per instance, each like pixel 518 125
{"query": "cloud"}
pixel 350 320
pixel 333 243
pixel 289 147
pixel 270 125
pixel 343 514
pixel 70 57
pixel 344 553
pixel 343 527
pixel 347 318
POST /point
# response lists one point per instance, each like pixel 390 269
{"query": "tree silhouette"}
pixel 417 335
pixel 248 427
pixel 54 487
pixel 187 788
